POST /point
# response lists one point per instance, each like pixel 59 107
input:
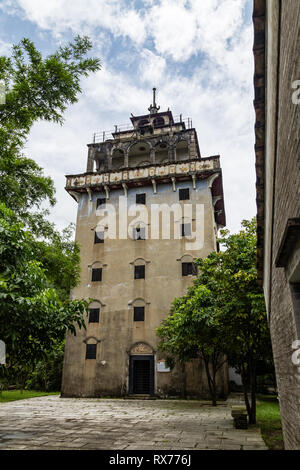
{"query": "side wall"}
pixel 282 180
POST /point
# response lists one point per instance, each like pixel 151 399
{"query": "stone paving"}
pixel 52 422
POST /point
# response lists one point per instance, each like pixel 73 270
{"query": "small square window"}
pixel 99 237
pixel 139 313
pixel 185 230
pixel 184 194
pixel 139 233
pixel 139 272
pixel 101 202
pixel 189 269
pixel 140 198
pixel 94 315
pixel 91 350
pixel 96 274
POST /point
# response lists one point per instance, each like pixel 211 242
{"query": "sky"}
pixel 197 53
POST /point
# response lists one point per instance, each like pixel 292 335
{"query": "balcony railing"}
pixel 99 137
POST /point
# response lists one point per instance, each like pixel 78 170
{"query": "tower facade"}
pixel 148 206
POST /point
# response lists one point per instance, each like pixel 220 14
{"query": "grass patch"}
pixel 268 419
pixel 12 395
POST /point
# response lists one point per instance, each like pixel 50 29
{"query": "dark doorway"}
pixel 141 375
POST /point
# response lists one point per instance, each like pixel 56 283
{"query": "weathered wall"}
pixel 116 331
pixel 282 181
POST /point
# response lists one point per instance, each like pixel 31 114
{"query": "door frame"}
pixel 144 357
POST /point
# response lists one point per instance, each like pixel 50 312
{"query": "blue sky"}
pixel 197 53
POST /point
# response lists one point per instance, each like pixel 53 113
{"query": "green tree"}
pixel 224 313
pixel 193 331
pixel 37 88
pixel 38 265
pixel 33 319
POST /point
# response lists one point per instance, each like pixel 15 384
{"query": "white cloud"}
pixel 152 67
pixel 5 48
pixel 216 92
pixel 84 17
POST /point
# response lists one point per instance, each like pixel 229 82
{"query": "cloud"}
pixel 60 16
pixel 198 54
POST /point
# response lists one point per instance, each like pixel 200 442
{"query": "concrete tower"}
pixel 165 205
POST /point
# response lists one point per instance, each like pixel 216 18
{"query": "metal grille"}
pixel 91 350
pixel 139 272
pixel 94 315
pixel 141 376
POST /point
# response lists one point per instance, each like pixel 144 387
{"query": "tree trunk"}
pixel 211 385
pixel 252 416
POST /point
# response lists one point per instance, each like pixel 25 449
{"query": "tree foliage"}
pixel 38 265
pixel 223 313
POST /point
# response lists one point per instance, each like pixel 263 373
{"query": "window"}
pixel 139 233
pixel 91 350
pixel 99 237
pixel 94 315
pixel 140 198
pixel 188 269
pixel 139 272
pixel 97 274
pixel 138 313
pixel 101 202
pixel 184 194
pixel 185 230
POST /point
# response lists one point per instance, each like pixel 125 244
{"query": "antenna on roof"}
pixel 153 107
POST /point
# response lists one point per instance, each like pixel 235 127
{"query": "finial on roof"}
pixel 153 108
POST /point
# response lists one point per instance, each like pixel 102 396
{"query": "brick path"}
pixel 65 423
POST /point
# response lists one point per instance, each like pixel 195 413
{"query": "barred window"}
pixel 94 314
pixel 91 351
pixel 99 237
pixel 101 202
pixel 96 274
pixel 140 198
pixel 138 313
pixel 184 194
pixel 139 272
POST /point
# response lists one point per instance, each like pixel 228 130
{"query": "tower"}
pixel 148 206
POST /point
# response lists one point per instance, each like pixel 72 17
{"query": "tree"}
pixel 223 313
pixel 193 331
pixel 33 319
pixel 38 265
pixel 36 89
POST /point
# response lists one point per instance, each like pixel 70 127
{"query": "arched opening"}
pixel 182 150
pixel 158 122
pixel 139 154
pixel 101 161
pixel 118 159
pixel 161 152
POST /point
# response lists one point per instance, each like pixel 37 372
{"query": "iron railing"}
pixel 99 137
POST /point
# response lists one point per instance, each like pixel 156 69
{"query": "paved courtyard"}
pixel 65 423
